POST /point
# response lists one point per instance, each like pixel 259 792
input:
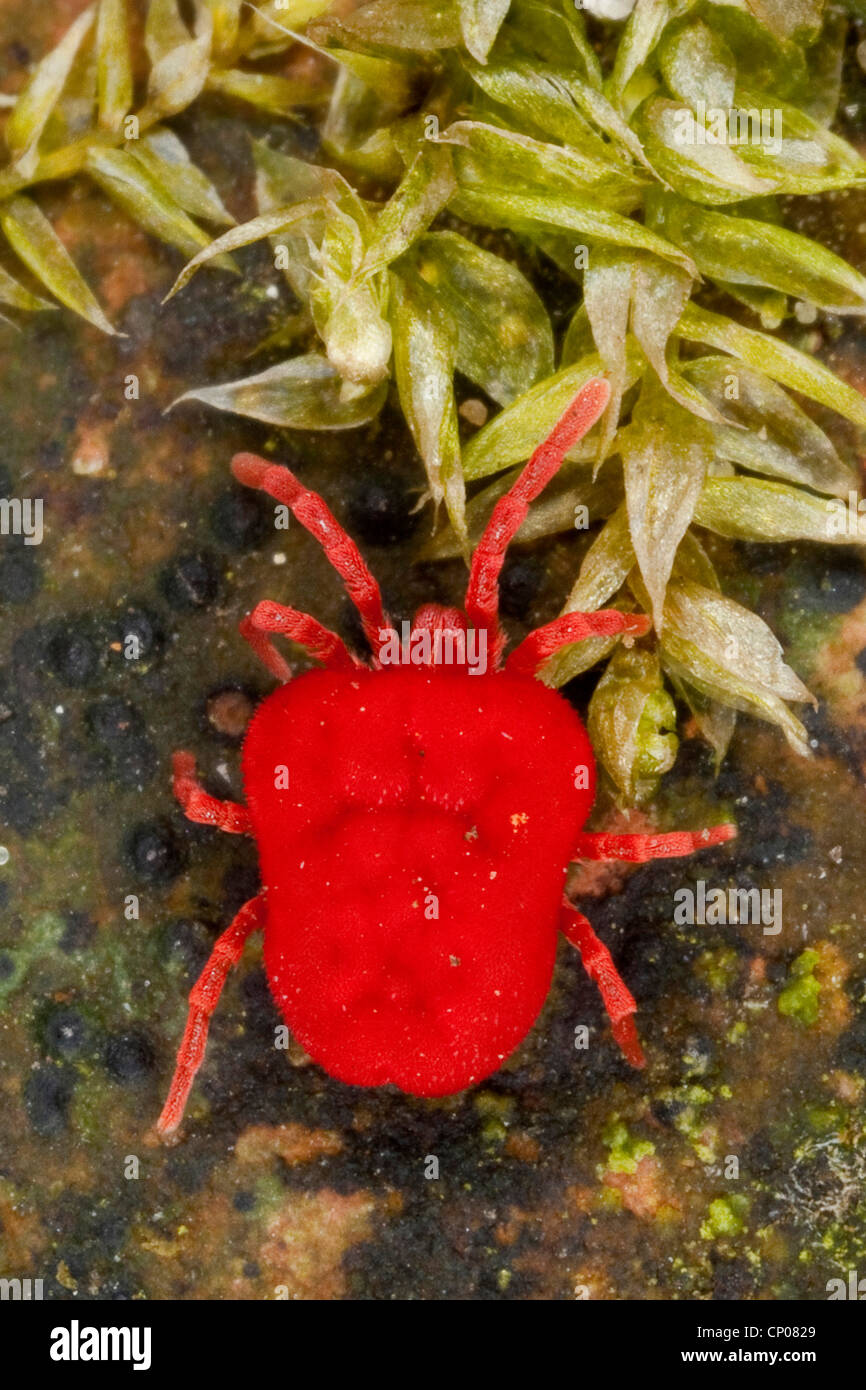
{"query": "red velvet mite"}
pixel 415 821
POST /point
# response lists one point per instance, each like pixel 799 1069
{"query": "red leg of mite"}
pixel 198 805
pixel 546 641
pixel 598 964
pixel 268 617
pixel 638 849
pixel 482 592
pixel 203 999
pixel 316 517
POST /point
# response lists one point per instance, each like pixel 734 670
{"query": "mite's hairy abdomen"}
pixel 414 864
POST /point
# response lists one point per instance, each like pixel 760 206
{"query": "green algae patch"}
pixel 726 1216
pixel 625 1151
pixel 799 998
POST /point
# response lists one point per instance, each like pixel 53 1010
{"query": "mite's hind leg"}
pixel 269 618
pixel 598 964
pixel 638 849
pixel 198 805
pixel 203 999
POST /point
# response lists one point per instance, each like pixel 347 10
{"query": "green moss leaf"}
pixel 425 344
pixel 480 22
pixel 775 436
pixel 504 337
pixel 730 655
pixel 741 250
pixel 304 393
pixel 776 358
pixel 165 157
pixel 114 61
pixel 35 242
pixel 141 194
pixel 42 93
pixel 665 457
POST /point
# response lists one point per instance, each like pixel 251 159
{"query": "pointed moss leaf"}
pixel 516 161
pixel 166 159
pixel 348 307
pixel 632 722
pixel 425 26
pixel 698 66
pixel 282 181
pixel 17 297
pixel 114 63
pixel 552 30
pixel 425 342
pixel 35 242
pixel 268 91
pixel 480 21
pixel 225 18
pixel 730 655
pixel 504 337
pixel 607 296
pixel 244 235
pixel 742 250
pixel 676 146
pixel 422 193
pixel 578 214
pixel 753 509
pixel 787 18
pixel 642 33
pixel 779 438
pixel 716 722
pixel 780 361
pixel 665 456
pixel 303 393
pixel 179 77
pixel 553 104
pixel 140 193
pixel 800 155
pixel 164 29
pixel 719 625
pixel 40 96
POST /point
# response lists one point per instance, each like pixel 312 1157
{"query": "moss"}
pixel 799 998
pixel 625 1152
pixel 718 968
pixel 726 1216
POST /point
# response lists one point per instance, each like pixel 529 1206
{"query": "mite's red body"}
pixel 415 865
pixel 415 824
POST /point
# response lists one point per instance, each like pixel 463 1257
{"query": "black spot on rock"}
pixel 191 581
pixel 47 1096
pixel 154 852
pixel 190 941
pixel 20 573
pixel 851 1047
pixel 79 932
pixel 73 653
pixel 241 519
pixel 139 635
pixel 129 1057
pixel 379 508
pixel 66 1033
